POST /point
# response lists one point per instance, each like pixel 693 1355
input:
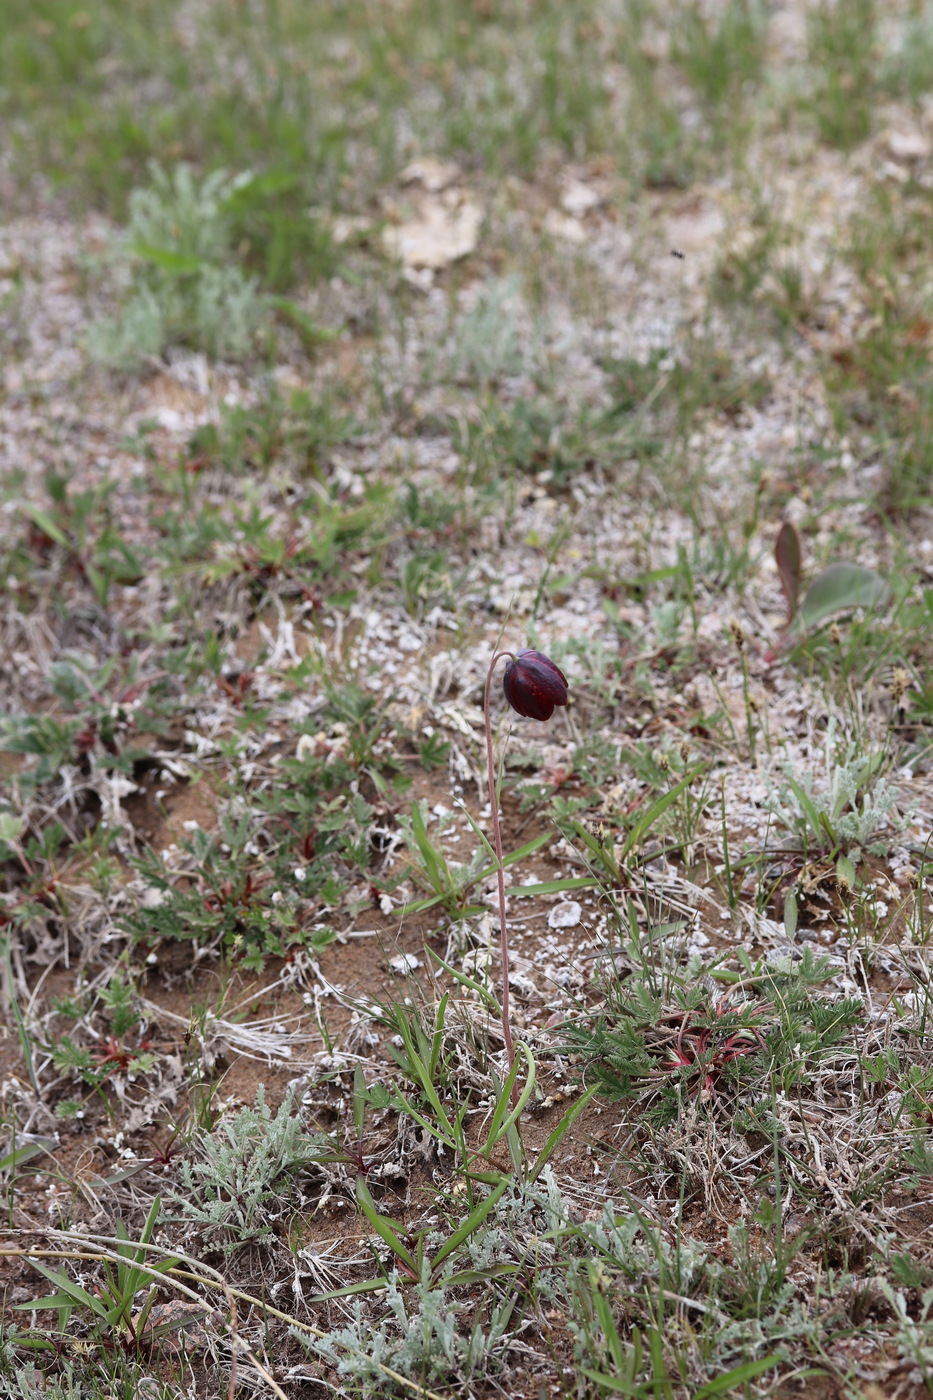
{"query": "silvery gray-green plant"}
pixel 183 282
pixel 417 1334
pixel 841 802
pixel 243 1181
pixel 417 1331
pixel 28 1382
pixel 914 1323
pixel 488 342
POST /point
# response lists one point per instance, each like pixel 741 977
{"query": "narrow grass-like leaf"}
pixel 402 1104
pixel 557 1133
pixel 790 914
pixel 602 854
pixel 416 1065
pixel 576 882
pixel 74 1294
pixel 19 1155
pixel 656 810
pixel 437 1043
pixel 166 258
pixel 500 1126
pixel 739 1375
pixel 845 872
pixel 62 1303
pixel 369 1285
pixel 659 1375
pixel 45 523
pixel 383 1227
pixel 312 335
pixel 806 806
pixel 467 1276
pixel 435 865
pixel 472 1223
pixel 478 831
pixel 528 849
pixel 727 865
pixel 485 995
pixel 607 1322
pixel 359 1101
pixel 618 1385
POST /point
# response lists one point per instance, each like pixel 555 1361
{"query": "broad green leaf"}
pixel 839 588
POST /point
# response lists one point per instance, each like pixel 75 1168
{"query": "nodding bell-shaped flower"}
pixel 533 685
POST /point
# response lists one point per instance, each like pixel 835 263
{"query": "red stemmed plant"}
pixel 704 1051
pixel 533 686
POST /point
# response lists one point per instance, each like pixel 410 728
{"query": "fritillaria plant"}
pixel 533 686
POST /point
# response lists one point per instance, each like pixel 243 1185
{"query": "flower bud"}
pixel 533 685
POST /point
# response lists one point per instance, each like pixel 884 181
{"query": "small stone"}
pixel 566 915
pixel 578 199
pixel 404 963
pixel 908 146
pixel 564 226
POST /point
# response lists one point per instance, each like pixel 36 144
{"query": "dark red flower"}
pixel 533 685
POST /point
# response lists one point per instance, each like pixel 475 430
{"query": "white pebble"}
pixel 566 915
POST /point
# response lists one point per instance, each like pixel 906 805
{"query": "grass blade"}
pixel 557 1133
pixel 739 1375
pixel 656 810
pixel 500 1126
pixel 576 882
pixel 383 1227
pixel 471 1224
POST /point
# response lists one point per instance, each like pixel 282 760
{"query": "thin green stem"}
pixel 749 711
